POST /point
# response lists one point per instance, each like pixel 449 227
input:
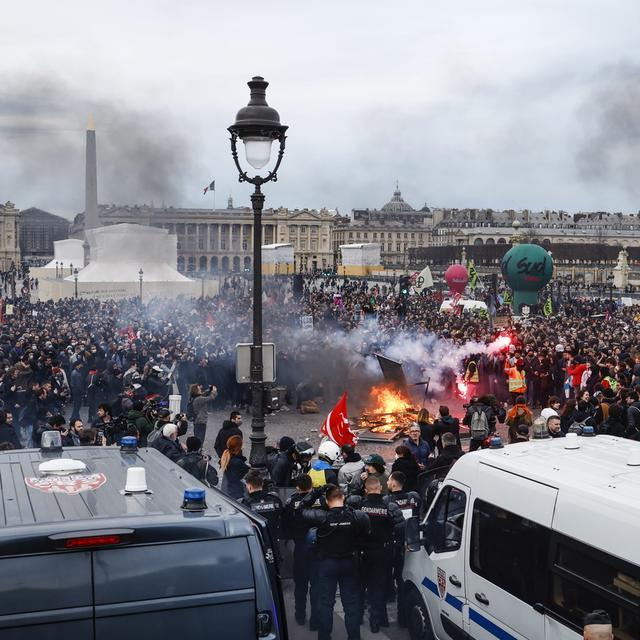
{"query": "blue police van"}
pixel 106 543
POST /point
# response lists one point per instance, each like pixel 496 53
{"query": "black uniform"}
pixel 338 532
pixel 269 506
pixel 376 550
pixel 304 561
pixel 409 504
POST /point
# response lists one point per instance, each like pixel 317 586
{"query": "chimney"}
pixel 91 180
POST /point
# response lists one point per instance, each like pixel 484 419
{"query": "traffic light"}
pixel 405 283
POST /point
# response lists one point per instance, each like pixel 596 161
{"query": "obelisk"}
pixel 91 180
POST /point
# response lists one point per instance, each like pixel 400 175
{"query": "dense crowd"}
pixel 75 353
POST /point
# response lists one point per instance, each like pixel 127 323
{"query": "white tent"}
pixel 67 253
pixel 119 251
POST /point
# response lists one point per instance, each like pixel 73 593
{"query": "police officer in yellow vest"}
pixel 322 471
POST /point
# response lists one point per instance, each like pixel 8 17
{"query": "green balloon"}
pixel 526 268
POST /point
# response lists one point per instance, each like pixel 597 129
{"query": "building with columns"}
pixel 9 236
pixel 221 240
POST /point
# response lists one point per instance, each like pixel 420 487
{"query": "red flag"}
pixel 336 424
pixel 210 321
pixel 131 333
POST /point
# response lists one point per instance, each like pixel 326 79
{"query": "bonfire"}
pixel 390 412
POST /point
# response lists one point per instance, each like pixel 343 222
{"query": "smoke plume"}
pixel 610 121
pixel 141 156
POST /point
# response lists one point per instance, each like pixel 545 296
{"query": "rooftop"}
pixel 28 499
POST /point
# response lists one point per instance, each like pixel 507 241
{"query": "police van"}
pixel 522 541
pixel 107 543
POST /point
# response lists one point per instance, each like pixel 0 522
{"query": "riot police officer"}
pixel 297 529
pixel 409 503
pixel 268 505
pixel 386 518
pixel 338 530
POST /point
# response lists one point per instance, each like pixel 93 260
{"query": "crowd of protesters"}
pixel 62 356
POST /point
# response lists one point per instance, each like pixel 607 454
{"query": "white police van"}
pixel 522 541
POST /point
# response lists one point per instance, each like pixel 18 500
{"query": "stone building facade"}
pixel 460 227
pixel 9 236
pixel 221 240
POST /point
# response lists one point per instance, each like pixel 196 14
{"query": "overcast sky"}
pixel 498 104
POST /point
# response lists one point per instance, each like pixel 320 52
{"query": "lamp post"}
pixel 258 126
pixel 75 279
pixel 140 274
pixel 56 269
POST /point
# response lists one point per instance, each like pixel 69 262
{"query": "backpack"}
pixel 190 413
pixel 479 427
pixel 578 427
pixel 155 434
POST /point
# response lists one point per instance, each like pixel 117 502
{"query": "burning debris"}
pixel 389 417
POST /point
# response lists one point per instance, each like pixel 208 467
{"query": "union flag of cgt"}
pixel 336 424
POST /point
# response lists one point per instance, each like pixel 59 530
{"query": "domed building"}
pixel 397 226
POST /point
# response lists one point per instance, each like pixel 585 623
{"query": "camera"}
pixel 114 430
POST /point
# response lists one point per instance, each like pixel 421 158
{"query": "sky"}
pixel 500 104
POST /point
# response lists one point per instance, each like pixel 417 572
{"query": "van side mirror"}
pixel 412 534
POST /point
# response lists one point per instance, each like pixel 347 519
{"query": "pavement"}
pixel 289 422
pixel 297 632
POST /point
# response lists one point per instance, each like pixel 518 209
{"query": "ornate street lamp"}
pixel 140 274
pixel 258 126
pixel 75 278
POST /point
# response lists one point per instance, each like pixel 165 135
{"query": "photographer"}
pixel 200 397
pixel 108 428
pixel 138 418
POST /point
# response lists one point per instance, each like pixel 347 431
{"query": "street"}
pixel 296 632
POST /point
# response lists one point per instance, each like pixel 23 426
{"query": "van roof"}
pixel 94 497
pixel 598 491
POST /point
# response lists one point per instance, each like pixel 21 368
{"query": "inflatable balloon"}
pixel 457 277
pixel 526 268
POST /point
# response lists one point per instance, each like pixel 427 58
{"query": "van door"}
pixel 444 590
pixel 46 597
pixel 508 541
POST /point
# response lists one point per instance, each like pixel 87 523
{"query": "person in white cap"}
pixel 168 443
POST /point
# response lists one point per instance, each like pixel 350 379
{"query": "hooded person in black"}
pixel 229 428
pixel 197 464
pixel 446 423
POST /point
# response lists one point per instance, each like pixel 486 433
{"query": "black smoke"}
pixel 609 129
pixel 143 156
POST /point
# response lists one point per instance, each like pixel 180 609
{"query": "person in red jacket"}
pixel 575 368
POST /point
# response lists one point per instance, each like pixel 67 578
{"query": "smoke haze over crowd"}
pixel 502 105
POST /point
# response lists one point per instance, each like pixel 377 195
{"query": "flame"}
pixel 389 401
pixel 463 387
pixel 391 411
